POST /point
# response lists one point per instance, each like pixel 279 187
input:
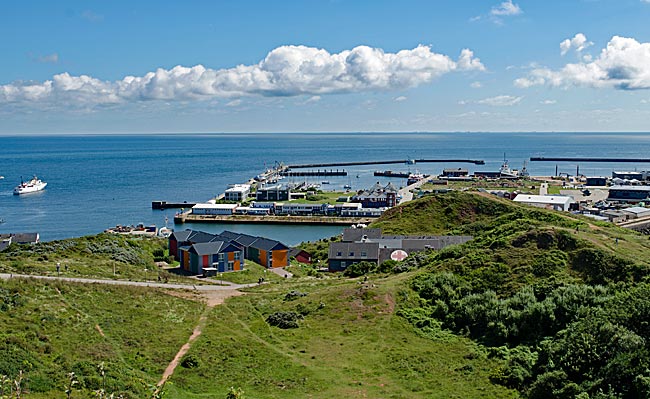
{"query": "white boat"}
pixel 505 172
pixel 31 186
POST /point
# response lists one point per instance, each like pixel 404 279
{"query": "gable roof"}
pixel 268 244
pixel 207 248
pixel 293 252
pixel 200 236
pixel 355 234
pixel 181 235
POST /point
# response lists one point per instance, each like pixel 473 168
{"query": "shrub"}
pixel 290 296
pixel 190 361
pixel 284 320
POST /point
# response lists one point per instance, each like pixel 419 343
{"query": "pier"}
pixel 399 161
pixel 314 173
pixel 388 173
pixel 170 205
pixel 571 159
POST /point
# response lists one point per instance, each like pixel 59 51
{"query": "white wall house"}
pixel 237 192
pixel 214 209
pixel 556 202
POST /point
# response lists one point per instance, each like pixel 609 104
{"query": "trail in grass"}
pixel 212 298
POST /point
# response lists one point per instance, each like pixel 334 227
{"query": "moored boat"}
pixel 31 186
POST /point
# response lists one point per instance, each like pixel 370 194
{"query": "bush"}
pixel 290 296
pixel 284 320
pixel 190 362
pixel 359 269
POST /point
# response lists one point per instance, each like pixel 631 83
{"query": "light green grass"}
pixel 56 328
pixel 351 344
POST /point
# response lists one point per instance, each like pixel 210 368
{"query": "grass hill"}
pixel 540 304
pixel 561 299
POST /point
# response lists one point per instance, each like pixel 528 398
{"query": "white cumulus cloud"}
pixel 399 99
pixel 500 101
pixel 506 8
pixel 624 64
pixel 285 71
pixel 578 43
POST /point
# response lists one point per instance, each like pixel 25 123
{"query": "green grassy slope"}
pixel 561 299
pixel 349 344
pixel 49 329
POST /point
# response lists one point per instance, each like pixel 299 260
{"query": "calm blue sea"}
pixel 95 182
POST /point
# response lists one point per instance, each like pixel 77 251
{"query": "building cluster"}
pixel 269 200
pixel 207 254
pixel 369 245
pixel 17 238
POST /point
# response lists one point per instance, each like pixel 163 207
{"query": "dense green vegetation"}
pixel 540 304
pixel 562 301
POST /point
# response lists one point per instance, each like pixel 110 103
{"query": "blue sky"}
pixel 285 66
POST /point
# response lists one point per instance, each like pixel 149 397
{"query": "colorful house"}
pixel 269 253
pixel 216 256
pixel 300 255
pixel 188 237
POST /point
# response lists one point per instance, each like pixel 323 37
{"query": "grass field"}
pixel 49 329
pixel 349 344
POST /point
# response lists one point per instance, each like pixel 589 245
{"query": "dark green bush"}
pixel 284 320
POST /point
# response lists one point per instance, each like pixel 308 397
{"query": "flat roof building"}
pixel 214 209
pixel 555 202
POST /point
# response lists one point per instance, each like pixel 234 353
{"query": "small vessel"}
pixel 2 177
pixel 505 171
pixel 347 186
pixel 414 178
pixel 31 186
pixel 325 182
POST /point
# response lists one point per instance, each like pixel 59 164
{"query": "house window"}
pixel 342 265
pixel 221 257
pixel 364 254
pixel 237 255
pixel 351 254
pixel 231 266
pixel 339 254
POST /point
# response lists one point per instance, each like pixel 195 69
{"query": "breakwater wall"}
pixel 398 161
pixel 572 159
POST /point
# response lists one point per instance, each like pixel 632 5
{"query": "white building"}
pixel 214 209
pixel 636 212
pixel 555 202
pixel 237 192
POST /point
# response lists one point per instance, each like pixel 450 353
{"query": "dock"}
pixel 270 219
pixel 170 205
pixel 389 173
pixel 571 159
pixel 398 161
pixel 315 173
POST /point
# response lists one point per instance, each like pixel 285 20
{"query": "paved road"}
pixel 406 193
pixel 281 272
pixel 207 287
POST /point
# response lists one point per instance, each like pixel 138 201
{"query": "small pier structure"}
pixel 314 173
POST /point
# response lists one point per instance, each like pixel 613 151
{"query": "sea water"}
pixel 98 181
